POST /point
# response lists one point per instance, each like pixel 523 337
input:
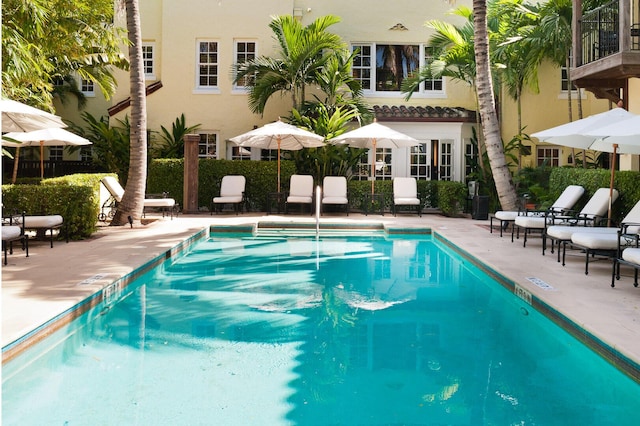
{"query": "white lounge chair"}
pixel 162 202
pixel 538 221
pixel 606 241
pixel 629 256
pixel 334 191
pixel 592 214
pixel 506 218
pixel 405 193
pixel 12 232
pixel 300 191
pixel 232 190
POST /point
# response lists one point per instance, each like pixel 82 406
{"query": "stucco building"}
pixel 190 49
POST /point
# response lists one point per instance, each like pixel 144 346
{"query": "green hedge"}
pixel 626 182
pixel 75 197
pixel 166 175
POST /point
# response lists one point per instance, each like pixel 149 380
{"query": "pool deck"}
pixel 53 280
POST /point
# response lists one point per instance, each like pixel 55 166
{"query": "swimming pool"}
pixel 368 329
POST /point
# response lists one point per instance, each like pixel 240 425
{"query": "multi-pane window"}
pixel 434 84
pixel 86 153
pixel 148 61
pixel 207 64
pixel 549 156
pixel 383 67
pixel 383 164
pixel 419 166
pixel 362 168
pixel 470 158
pixel 55 153
pixel 446 157
pixel 269 154
pixel 361 67
pixel 240 153
pixel 245 51
pixel 207 147
pixel 87 87
pixel 565 80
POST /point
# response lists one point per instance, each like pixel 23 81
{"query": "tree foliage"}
pixel 49 42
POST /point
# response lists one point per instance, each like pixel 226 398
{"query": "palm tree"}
pixel 516 58
pixel 303 52
pixel 132 205
pixel 486 100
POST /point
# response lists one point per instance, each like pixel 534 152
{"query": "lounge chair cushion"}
pixel 159 202
pixel 568 198
pixel 631 255
pixel 113 186
pixel 506 215
pixel 564 232
pixel 532 222
pixel 11 232
pixel 406 201
pixel 45 222
pixel 596 241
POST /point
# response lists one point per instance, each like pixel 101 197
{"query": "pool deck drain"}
pixel 42 286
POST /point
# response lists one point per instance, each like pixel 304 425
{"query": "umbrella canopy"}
pixel 46 137
pixel 279 135
pixel 615 131
pixel 576 133
pixel 373 136
pixel 19 117
pixel 625 134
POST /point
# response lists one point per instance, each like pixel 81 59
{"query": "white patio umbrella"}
pixel 19 117
pixel 576 133
pixel 46 137
pixel 279 135
pixel 615 131
pixel 373 136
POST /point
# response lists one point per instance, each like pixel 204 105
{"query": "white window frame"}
pixel 545 152
pixel 372 92
pixel 419 169
pixel 207 144
pixel 241 87
pixel 149 61
pixel 87 88
pixel 564 82
pixel 56 153
pixel 207 89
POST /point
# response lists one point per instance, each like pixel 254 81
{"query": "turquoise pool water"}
pixel 275 330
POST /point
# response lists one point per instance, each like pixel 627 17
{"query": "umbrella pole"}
pixel 278 164
pixel 15 165
pixel 613 173
pixel 41 159
pixel 373 170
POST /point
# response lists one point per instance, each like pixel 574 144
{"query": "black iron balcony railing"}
pixel 600 31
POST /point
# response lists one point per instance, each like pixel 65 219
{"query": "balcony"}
pixel 607 46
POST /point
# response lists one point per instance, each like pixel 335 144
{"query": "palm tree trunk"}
pixel 490 126
pixel 131 207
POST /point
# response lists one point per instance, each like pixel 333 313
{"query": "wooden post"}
pixel 190 196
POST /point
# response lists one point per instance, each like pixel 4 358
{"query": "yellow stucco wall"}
pixel 175 26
